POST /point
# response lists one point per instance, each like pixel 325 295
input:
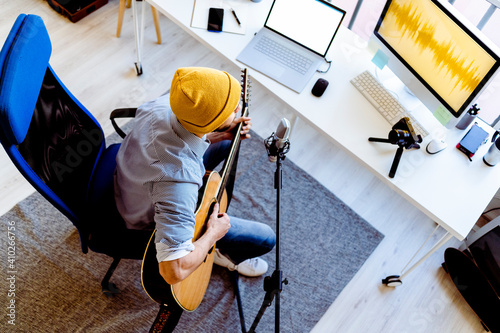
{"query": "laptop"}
pixel 294 41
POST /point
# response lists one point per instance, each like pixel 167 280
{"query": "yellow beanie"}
pixel 203 98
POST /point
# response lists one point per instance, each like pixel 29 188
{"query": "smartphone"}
pixel 215 17
pixel 474 138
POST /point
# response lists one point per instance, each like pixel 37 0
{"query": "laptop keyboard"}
pixel 283 55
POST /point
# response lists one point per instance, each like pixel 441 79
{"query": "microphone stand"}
pixel 273 284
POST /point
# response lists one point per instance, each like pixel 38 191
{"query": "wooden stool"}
pixel 121 12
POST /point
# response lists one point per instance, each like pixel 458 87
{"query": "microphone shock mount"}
pixel 272 150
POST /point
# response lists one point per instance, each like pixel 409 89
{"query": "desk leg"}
pixel 139 33
pixel 396 280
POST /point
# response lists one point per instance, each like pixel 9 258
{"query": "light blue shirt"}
pixel 159 172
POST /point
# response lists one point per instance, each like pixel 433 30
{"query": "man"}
pixel 160 166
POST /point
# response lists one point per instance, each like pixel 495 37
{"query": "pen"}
pixel 236 17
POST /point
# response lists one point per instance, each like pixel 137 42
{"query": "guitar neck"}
pixel 228 164
pixel 235 145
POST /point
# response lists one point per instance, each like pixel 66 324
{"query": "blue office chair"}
pixel 59 146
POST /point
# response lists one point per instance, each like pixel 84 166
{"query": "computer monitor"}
pixel 441 57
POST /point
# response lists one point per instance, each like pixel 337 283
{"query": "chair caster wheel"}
pixel 392 281
pixel 110 289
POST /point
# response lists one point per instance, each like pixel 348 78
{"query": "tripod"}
pixel 273 284
pixel 403 135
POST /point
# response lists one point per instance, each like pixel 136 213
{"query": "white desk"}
pixel 447 187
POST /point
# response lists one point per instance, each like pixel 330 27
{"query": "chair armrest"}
pixel 121 113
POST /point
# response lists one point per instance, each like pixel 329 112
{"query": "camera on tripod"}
pixel 403 135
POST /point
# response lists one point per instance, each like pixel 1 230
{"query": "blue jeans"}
pixel 245 239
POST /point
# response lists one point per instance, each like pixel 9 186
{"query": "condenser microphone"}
pixel 278 141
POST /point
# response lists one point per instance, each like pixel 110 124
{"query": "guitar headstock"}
pixel 245 91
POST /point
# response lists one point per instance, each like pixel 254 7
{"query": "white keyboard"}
pixel 385 103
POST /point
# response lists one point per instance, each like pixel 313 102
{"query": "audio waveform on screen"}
pixel 446 55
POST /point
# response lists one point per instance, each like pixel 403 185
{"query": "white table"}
pixel 447 187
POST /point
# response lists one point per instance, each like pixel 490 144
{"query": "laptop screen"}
pixel 311 23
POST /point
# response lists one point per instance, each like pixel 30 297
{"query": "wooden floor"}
pixel 98 68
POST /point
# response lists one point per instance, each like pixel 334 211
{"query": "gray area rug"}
pixel 56 288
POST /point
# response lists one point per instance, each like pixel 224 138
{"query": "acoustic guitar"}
pixel 189 293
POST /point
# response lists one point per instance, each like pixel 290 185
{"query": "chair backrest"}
pixel 51 138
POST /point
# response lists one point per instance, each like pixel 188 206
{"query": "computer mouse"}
pixel 436 145
pixel 319 87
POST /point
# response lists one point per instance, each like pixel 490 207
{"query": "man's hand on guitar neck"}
pixel 174 271
pixel 226 130
pixel 228 133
